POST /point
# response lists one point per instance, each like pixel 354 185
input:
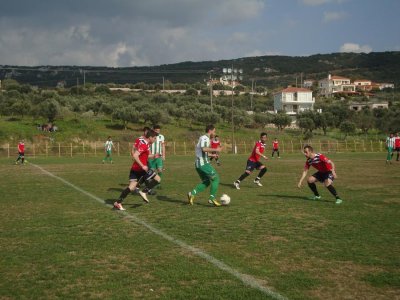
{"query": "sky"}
pixel 126 33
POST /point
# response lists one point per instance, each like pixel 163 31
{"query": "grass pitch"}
pixel 56 242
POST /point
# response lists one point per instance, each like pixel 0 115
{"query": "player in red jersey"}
pixel 215 144
pixel 254 162
pixel 397 146
pixel 140 171
pixel 326 173
pixel 139 140
pixel 21 152
pixel 275 147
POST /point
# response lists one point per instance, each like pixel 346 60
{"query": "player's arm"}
pixel 163 150
pixel 209 149
pixel 133 151
pixel 305 171
pixel 333 168
pixel 262 155
pixel 136 158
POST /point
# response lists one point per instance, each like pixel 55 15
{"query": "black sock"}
pixel 242 177
pixel 278 154
pixel 397 156
pixel 123 195
pixel 261 174
pixel 273 153
pixel 332 190
pixel 313 187
pixel 150 185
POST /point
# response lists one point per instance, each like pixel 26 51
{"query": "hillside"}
pixel 269 71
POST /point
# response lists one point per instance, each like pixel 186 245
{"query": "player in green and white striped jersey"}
pixel 158 150
pixel 205 170
pixel 108 146
pixel 390 142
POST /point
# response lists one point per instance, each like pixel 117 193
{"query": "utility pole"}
pixel 163 84
pixel 84 78
pixel 252 94
pixel 211 93
pixel 233 125
pixel 77 85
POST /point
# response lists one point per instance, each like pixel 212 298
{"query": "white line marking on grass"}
pixel 246 279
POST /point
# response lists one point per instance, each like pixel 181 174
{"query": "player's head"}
pixel 210 129
pixel 263 136
pixel 109 138
pixel 151 135
pixel 308 151
pixel 391 134
pixel 157 128
pixel 275 139
pixel 216 137
pixel 145 130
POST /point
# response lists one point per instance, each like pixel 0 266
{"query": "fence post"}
pixel 184 148
pixel 118 148
pixel 83 148
pixel 47 150
pixel 363 145
pixel 346 145
pixel 59 150
pixel 71 149
pixel 355 146
pixel 95 148
pixel 33 149
pixel 372 148
pixel 174 148
pixel 8 150
pixel 245 147
pixel 380 146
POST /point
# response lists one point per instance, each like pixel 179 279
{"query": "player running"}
pixel 254 162
pixel 157 149
pixel 205 170
pixel 215 143
pixel 326 173
pixel 397 145
pixel 140 171
pixel 108 146
pixel 275 147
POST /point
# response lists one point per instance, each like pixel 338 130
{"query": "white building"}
pixel 293 100
pixel 335 84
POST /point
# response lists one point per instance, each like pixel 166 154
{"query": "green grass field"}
pixel 60 242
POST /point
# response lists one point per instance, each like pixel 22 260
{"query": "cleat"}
pixel 151 192
pixel 144 196
pixel 215 202
pixel 118 206
pixel 236 184
pixel 338 201
pixel 314 198
pixel 257 182
pixel 190 198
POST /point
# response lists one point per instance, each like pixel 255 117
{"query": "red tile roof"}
pixel 294 90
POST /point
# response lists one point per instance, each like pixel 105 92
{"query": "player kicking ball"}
pixel 326 173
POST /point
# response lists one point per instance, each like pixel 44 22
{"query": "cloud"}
pixel 262 53
pixel 320 2
pixel 356 48
pixel 334 16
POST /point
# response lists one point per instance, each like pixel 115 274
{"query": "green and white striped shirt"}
pixel 201 156
pixel 156 147
pixel 108 145
pixel 390 142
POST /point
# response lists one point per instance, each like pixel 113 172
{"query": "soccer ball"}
pixel 225 199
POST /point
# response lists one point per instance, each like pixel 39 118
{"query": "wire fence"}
pixel 94 149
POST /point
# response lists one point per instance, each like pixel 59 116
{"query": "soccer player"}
pixel 390 143
pixel 21 152
pixel 139 140
pixel 108 146
pixel 140 171
pixel 397 145
pixel 254 162
pixel 326 173
pixel 275 147
pixel 215 143
pixel 157 149
pixel 205 170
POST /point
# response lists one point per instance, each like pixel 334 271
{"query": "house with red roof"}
pixel 293 100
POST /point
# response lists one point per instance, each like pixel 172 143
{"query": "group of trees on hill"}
pixel 21 101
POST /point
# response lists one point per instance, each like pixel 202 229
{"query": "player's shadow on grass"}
pixel 228 184
pixel 168 199
pixel 115 189
pixel 291 197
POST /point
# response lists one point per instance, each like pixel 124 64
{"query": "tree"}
pixel 347 127
pixel 49 109
pixel 281 120
pixel 191 92
pixel 102 89
pixel 365 120
pixel 307 124
pixel 21 107
pixel 126 114
pixel 262 119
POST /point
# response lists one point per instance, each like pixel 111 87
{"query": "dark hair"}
pixel 309 148
pixel 146 129
pixel 151 133
pixel 109 136
pixel 216 136
pixel 210 127
pixel 263 133
pixel 156 127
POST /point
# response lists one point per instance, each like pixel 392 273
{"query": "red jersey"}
pixel 21 147
pixel 254 156
pixel 397 142
pixel 320 162
pixel 144 150
pixel 138 141
pixel 215 144
pixel 275 145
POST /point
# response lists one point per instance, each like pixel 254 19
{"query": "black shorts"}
pixel 396 149
pixel 322 176
pixel 251 165
pixel 275 150
pixel 21 153
pixel 136 175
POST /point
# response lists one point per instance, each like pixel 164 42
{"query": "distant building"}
pixel 359 106
pixel 308 83
pixel 385 86
pixel 293 100
pixel 335 84
pixel 227 80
